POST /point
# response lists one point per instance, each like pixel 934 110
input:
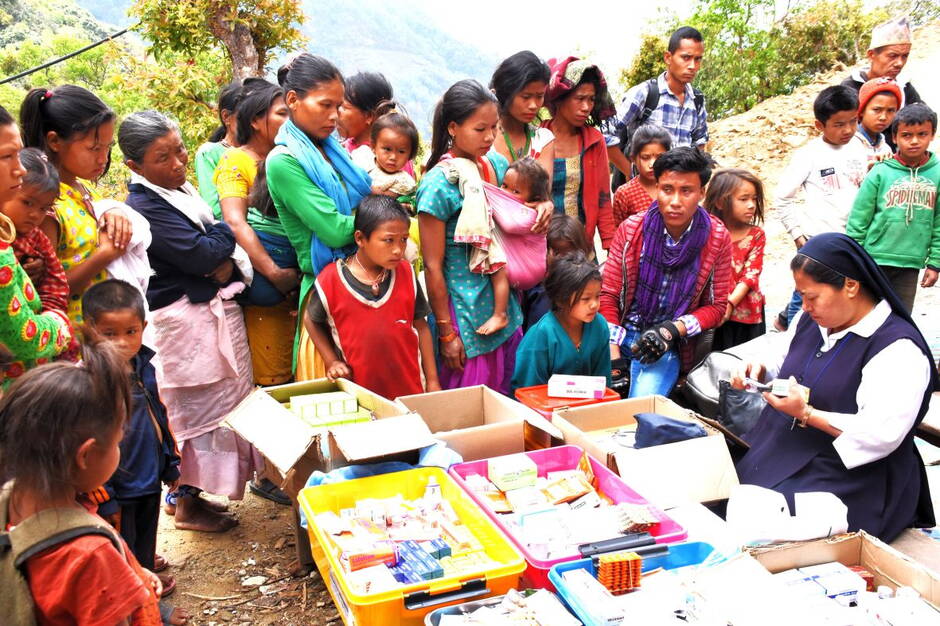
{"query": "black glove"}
pixel 655 342
pixel 620 382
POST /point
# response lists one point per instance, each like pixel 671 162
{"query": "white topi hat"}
pixel 890 33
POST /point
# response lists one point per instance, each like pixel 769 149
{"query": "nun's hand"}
pixel 794 404
pixel 930 278
pixel 753 370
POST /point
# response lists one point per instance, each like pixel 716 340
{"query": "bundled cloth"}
pixel 188 202
pixel 567 73
pixel 475 224
pixel 133 266
pixel 525 251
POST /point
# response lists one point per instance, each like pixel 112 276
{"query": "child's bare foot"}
pixel 173 615
pixel 191 514
pixel 496 323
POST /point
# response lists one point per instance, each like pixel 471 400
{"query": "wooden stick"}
pixel 215 598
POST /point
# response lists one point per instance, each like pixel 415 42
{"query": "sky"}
pixel 555 28
pixel 608 31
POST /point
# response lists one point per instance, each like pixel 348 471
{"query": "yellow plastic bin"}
pixel 409 604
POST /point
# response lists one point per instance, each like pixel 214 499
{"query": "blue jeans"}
pixel 651 379
pixel 262 291
pixel 796 303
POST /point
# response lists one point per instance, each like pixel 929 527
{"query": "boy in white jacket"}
pixel 828 171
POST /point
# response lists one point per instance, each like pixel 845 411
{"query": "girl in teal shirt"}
pixel 572 338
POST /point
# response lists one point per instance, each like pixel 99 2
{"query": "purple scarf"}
pixel 676 266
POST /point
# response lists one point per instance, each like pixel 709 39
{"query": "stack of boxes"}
pixel 393 541
pixel 619 572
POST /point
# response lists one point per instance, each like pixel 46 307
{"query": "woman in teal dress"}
pixel 465 126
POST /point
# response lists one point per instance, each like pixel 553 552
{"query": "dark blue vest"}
pixel 883 497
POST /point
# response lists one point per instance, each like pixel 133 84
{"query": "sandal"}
pixel 169 585
pixel 266 489
pixel 159 564
pixel 169 503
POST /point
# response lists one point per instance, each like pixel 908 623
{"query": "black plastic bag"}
pixel 738 409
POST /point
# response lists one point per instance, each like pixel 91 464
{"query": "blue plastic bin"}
pixel 434 618
pixel 680 555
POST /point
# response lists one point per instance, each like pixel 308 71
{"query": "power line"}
pixel 67 56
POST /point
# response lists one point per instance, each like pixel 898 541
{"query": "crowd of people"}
pixel 303 255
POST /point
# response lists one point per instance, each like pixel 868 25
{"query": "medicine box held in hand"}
pixel 569 386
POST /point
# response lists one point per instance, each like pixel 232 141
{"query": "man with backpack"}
pixel 668 100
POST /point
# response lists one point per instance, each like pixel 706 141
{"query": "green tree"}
pixel 182 87
pixel 920 11
pixel 740 38
pixel 753 52
pixel 817 37
pixel 249 31
pixel 647 63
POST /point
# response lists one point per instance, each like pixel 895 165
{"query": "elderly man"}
pixel 887 55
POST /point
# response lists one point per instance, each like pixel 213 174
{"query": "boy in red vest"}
pixel 367 314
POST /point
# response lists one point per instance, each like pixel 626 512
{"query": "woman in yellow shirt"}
pixel 271 302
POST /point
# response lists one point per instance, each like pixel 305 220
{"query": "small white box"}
pixel 324 404
pixel 568 386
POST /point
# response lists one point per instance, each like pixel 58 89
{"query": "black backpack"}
pixel 626 132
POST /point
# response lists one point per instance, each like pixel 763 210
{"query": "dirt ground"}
pixel 210 569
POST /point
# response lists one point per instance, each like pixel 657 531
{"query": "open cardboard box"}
pixel 293 449
pixel 889 566
pixel 479 423
pixel 695 470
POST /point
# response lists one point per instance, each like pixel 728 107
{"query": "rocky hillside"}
pixel 34 20
pixel 762 140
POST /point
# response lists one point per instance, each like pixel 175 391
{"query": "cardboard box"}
pixel 696 470
pixel 479 423
pixel 293 449
pixel 889 566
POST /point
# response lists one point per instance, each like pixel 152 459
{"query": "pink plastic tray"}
pixel 559 459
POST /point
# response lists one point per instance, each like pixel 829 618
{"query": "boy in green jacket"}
pixel 896 215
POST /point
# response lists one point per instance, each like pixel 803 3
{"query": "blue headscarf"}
pixel 844 255
pixel 328 176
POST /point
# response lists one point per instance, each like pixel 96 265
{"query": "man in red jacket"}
pixel 668 275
